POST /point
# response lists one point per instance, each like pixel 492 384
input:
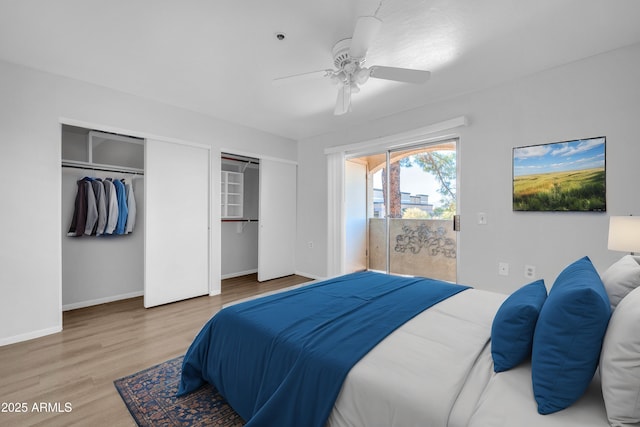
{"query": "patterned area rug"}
pixel 150 396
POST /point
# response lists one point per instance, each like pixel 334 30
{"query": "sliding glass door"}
pixel 411 202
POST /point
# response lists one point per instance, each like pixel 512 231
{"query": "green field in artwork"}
pixel 577 190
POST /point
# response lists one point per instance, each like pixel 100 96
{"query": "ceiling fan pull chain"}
pixel 378 9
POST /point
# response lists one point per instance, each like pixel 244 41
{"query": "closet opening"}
pixel 164 256
pixel 102 214
pixel 258 216
pixel 239 201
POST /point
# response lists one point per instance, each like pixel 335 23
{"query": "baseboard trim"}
pixel 83 304
pixel 30 335
pixel 238 274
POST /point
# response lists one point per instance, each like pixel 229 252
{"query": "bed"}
pixel 431 365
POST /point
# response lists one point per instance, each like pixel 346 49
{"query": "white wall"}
pixel 239 248
pixel 32 104
pixel 593 97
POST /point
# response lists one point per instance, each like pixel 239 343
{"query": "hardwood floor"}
pixel 100 344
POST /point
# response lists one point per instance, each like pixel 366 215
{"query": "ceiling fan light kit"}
pixel 349 57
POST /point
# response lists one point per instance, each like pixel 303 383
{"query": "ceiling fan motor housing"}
pixel 349 70
pixel 341 55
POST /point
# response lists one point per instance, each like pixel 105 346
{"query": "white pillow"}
pixel 621 278
pixel 620 363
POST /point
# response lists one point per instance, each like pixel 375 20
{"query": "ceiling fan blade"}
pixel 300 77
pixel 406 75
pixel 343 102
pixel 366 30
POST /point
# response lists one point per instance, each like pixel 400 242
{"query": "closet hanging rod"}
pixel 239 220
pixel 241 159
pixel 104 168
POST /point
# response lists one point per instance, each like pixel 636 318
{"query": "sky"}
pixel 557 157
pixel 414 180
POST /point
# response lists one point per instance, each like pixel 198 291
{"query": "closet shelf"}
pixel 100 167
pixel 231 194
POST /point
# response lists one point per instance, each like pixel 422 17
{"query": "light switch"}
pixel 482 218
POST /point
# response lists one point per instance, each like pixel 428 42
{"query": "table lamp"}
pixel 624 233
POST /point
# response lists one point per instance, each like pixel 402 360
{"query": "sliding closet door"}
pixel 177 222
pixel 277 216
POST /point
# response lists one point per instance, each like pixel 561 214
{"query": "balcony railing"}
pixel 418 247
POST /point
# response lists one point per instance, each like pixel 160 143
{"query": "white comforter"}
pixel 436 370
pixel 508 401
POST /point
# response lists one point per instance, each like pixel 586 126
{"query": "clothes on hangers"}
pixel 131 205
pixel 103 207
pixel 122 206
pixel 98 189
pixel 79 220
pixel 92 207
pixel 112 206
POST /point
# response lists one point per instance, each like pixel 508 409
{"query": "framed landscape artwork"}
pixel 561 176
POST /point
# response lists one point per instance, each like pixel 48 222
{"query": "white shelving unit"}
pixel 231 194
pixel 100 150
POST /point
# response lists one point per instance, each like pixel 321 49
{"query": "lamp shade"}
pixel 624 233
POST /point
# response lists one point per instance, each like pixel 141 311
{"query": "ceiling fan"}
pixel 349 57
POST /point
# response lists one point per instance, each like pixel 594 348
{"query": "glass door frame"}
pixel 387 208
pixel 334 167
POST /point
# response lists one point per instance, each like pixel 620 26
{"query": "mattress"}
pixel 429 372
pixel 508 401
pixel 437 370
pixel 282 359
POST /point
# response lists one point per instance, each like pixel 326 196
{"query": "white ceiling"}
pixel 218 57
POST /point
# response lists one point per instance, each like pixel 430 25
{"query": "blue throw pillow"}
pixel 568 337
pixel 514 324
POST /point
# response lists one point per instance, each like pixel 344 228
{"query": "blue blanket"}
pixel 281 360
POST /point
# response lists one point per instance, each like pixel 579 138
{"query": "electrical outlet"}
pixel 529 271
pixel 503 269
pixel 310 244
